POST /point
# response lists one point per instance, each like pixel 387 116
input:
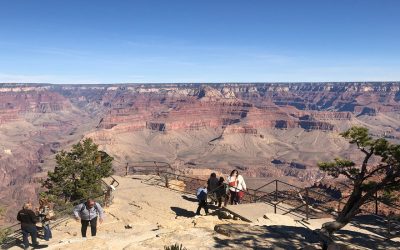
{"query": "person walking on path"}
pixel 44 216
pixel 28 221
pixel 88 212
pixel 202 198
pixel 236 185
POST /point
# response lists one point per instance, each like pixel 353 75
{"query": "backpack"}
pixel 84 207
pixel 202 196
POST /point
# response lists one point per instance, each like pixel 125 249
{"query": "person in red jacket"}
pixel 28 221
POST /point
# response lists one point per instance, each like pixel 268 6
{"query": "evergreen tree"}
pixel 365 180
pixel 78 173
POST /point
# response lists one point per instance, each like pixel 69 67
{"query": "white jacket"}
pixel 239 183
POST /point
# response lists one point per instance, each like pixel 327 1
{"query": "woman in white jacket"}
pixel 236 185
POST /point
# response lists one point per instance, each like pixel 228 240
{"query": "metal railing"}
pixel 304 203
pixel 62 213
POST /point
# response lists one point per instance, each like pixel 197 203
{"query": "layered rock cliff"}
pixel 216 126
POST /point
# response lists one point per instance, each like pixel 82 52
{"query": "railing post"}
pixel 307 216
pixel 376 202
pixel 166 181
pixel 276 191
pixel 275 208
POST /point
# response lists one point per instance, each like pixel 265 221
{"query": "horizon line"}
pixel 181 83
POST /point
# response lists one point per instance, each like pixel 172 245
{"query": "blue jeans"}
pixel 47 232
pixel 29 230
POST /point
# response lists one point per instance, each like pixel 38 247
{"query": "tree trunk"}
pixel 350 209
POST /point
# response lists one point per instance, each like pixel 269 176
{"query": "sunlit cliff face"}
pixel 214 126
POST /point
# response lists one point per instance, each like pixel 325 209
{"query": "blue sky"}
pixel 199 41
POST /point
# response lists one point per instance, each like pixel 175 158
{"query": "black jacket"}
pixel 27 217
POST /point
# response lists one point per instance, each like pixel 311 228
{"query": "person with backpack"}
pixel 45 215
pixel 28 221
pixel 202 198
pixel 88 212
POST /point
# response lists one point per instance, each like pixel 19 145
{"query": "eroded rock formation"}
pixel 216 126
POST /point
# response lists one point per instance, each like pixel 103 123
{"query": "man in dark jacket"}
pixel 28 221
pixel 87 213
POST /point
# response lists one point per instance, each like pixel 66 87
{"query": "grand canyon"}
pixel 266 130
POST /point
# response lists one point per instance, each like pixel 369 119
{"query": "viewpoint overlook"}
pixel 266 130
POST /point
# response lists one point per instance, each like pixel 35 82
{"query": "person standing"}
pixel 236 185
pixel 221 192
pixel 88 212
pixel 212 185
pixel 44 215
pixel 28 221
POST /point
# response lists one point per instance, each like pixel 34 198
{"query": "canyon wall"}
pixel 219 126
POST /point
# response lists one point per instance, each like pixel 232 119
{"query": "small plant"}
pixel 175 247
pixel 3 234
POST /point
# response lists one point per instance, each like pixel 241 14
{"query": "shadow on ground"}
pixel 365 240
pixel 183 212
pixel 266 237
pixel 290 237
pixel 188 198
pixel 376 225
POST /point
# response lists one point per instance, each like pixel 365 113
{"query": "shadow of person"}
pixel 183 212
pixel 188 198
pixel 40 246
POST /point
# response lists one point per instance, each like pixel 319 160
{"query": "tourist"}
pixel 212 185
pixel 28 221
pixel 237 186
pixel 88 212
pixel 45 215
pixel 222 192
pixel 202 198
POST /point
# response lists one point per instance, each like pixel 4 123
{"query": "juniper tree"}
pixel 78 172
pixel 366 179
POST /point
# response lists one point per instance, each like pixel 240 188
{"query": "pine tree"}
pixel 78 172
pixel 365 180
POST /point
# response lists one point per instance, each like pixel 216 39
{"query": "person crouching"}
pixel 202 198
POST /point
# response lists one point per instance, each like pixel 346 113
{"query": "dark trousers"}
pixel 202 204
pixel 223 198
pixel 47 232
pixel 93 226
pixel 29 230
pixel 234 197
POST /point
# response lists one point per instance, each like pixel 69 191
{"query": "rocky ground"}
pixel 144 216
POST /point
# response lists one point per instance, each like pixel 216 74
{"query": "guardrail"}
pixel 305 202
pixel 15 235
